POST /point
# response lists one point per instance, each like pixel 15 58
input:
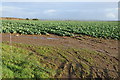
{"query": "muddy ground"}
pixel 102 66
pixel 106 46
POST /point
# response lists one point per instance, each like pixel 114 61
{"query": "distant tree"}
pixel 35 19
pixel 27 18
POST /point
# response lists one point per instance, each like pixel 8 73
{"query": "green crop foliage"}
pixel 98 29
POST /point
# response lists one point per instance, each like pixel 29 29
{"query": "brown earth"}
pixel 107 46
pixel 10 18
pixel 104 66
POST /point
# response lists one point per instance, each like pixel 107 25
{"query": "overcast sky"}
pixel 61 10
pixel 60 0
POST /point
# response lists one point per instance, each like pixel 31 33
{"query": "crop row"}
pixel 63 28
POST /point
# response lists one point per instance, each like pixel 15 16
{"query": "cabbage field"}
pixel 98 29
pixel 41 54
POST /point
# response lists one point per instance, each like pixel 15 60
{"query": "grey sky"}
pixel 62 10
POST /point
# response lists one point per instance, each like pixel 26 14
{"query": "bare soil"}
pixel 107 46
pixel 74 65
pixel 10 18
